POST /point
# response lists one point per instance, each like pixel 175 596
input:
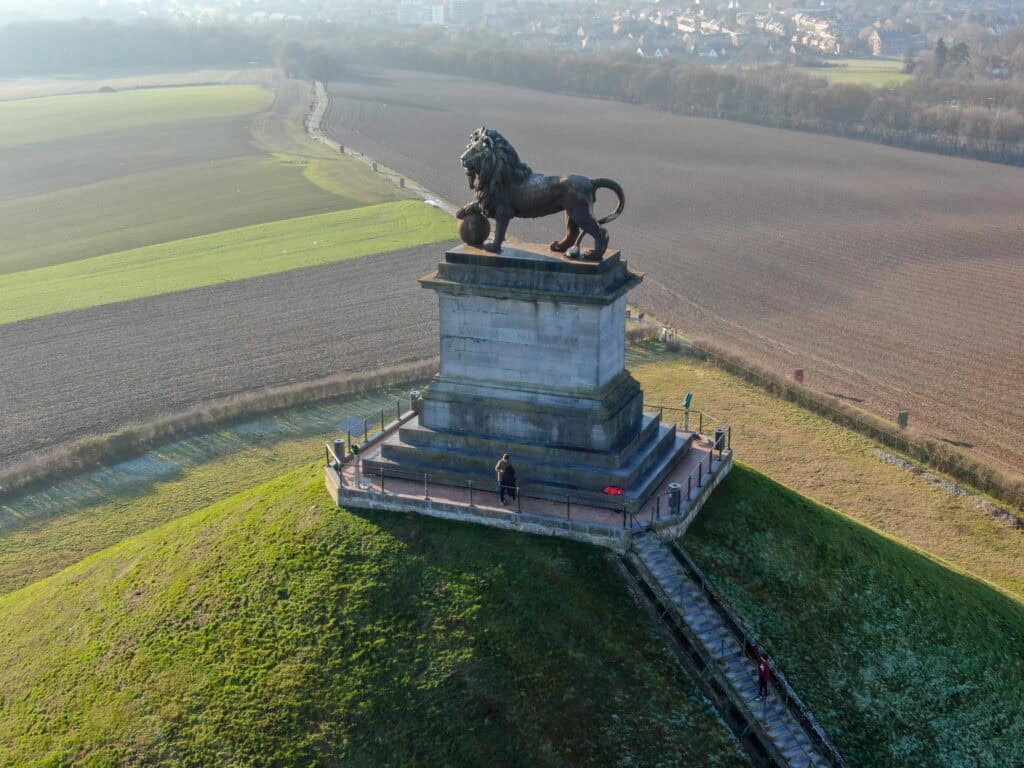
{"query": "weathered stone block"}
pixel 533 363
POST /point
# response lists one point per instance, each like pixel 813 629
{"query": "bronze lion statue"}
pixel 506 188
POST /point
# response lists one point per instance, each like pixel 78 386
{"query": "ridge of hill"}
pixel 272 628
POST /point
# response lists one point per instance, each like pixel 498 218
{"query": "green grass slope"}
pixel 904 660
pixel 28 121
pixel 273 629
pixel 175 203
pixel 221 257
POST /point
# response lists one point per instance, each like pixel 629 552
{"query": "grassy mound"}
pixel 272 629
pixel 221 257
pixel 904 660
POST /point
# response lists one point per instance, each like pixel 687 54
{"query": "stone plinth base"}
pixel 543 471
pixel 533 364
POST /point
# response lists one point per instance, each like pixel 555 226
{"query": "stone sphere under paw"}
pixel 474 229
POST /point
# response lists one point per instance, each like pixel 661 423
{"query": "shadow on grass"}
pixel 556 666
pixel 903 659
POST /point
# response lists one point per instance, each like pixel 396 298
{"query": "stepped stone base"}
pixel 543 471
pixel 533 364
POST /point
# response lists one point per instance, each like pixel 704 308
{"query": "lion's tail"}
pixel 615 187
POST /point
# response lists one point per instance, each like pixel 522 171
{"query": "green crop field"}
pixel 274 629
pixel 874 72
pixel 178 202
pixel 29 121
pixel 221 257
pixel 903 660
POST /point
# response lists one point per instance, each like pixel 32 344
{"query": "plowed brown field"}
pixel 894 277
pixel 93 371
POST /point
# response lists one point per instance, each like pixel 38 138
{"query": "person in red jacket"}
pixel 764 674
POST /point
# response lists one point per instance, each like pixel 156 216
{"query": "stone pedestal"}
pixel 533 364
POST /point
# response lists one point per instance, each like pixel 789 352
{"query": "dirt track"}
pixel 894 277
pixel 87 372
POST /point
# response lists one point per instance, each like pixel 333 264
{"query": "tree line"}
pixel 48 47
pixel 975 118
pixel 959 115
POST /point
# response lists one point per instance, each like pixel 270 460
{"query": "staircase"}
pixel 780 731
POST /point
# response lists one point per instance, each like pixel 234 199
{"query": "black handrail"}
pixel 397 473
pixel 632 517
pixel 793 702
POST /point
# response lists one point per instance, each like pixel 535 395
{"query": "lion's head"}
pixel 492 165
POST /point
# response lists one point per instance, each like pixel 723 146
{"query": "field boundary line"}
pixel 315 130
pixel 134 439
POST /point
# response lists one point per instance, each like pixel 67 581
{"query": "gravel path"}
pixel 70 375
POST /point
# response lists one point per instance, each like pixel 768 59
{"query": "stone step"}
pixel 415 434
pixel 801 753
pixel 686 603
pixel 669 573
pixel 737 664
pixel 702 622
pixel 748 692
pixel 782 731
pixel 739 677
pixel 456 461
pixel 723 649
pixel 716 633
pixel 800 758
pixel 727 653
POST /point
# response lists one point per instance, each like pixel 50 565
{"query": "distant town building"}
pixel 465 11
pixel 889 42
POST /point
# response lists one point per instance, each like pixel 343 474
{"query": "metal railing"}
pixel 341 452
pixel 693 417
pixel 660 506
pixel 629 517
pixel 476 491
pixel 790 700
pixel 379 420
pixel 632 518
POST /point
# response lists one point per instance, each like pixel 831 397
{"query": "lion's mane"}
pixel 495 169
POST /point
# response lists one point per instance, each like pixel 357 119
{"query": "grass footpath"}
pixel 275 629
pixel 29 121
pixel 173 203
pixel 221 257
pixel 903 660
pixel 837 467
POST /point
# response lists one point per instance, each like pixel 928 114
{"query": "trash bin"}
pixel 719 439
pixel 675 498
pixel 339 451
